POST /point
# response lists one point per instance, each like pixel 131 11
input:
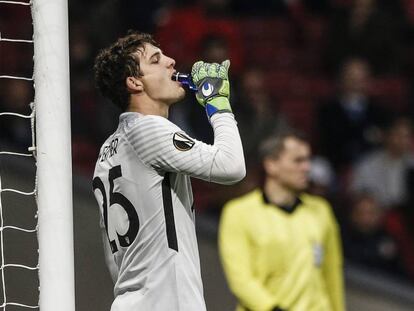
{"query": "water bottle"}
pixel 184 78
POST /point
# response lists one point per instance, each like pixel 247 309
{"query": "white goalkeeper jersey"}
pixel 142 185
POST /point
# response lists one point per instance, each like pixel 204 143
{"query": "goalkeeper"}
pixel 142 176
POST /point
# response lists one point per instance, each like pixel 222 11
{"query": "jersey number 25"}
pixel 117 198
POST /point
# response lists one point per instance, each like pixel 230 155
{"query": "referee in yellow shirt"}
pixel 280 247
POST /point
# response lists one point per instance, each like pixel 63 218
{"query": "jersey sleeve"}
pixel 333 263
pixel 164 146
pixel 236 255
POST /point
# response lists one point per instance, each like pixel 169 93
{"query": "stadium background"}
pixel 285 61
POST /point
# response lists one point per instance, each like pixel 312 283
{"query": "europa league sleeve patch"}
pixel 182 142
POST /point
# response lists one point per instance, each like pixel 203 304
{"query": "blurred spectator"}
pixel 350 123
pixel 369 31
pixel 96 18
pixel 321 177
pixel 214 48
pixel 365 240
pixel 400 224
pixel 182 31
pixel 87 129
pixel 256 111
pixel 81 49
pixel 383 172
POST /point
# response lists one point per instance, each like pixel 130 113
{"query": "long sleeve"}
pixel 228 163
pixel 333 265
pixel 163 145
pixel 236 256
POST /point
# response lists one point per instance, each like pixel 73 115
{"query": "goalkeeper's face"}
pixel 157 70
pixel 291 168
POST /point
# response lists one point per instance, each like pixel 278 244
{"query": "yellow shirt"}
pixel 271 257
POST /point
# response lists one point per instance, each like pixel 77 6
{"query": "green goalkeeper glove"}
pixel 213 87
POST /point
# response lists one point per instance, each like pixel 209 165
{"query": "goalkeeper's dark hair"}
pixel 274 144
pixel 117 62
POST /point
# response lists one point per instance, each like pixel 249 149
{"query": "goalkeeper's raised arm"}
pixel 213 93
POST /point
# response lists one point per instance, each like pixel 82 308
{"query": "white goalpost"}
pixel 53 150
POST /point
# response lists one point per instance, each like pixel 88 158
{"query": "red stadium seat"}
pixel 271 43
pixel 300 113
pixel 321 87
pixel 276 30
pixel 314 41
pixel 284 84
pixel 391 91
pixel 291 85
pixel 273 57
